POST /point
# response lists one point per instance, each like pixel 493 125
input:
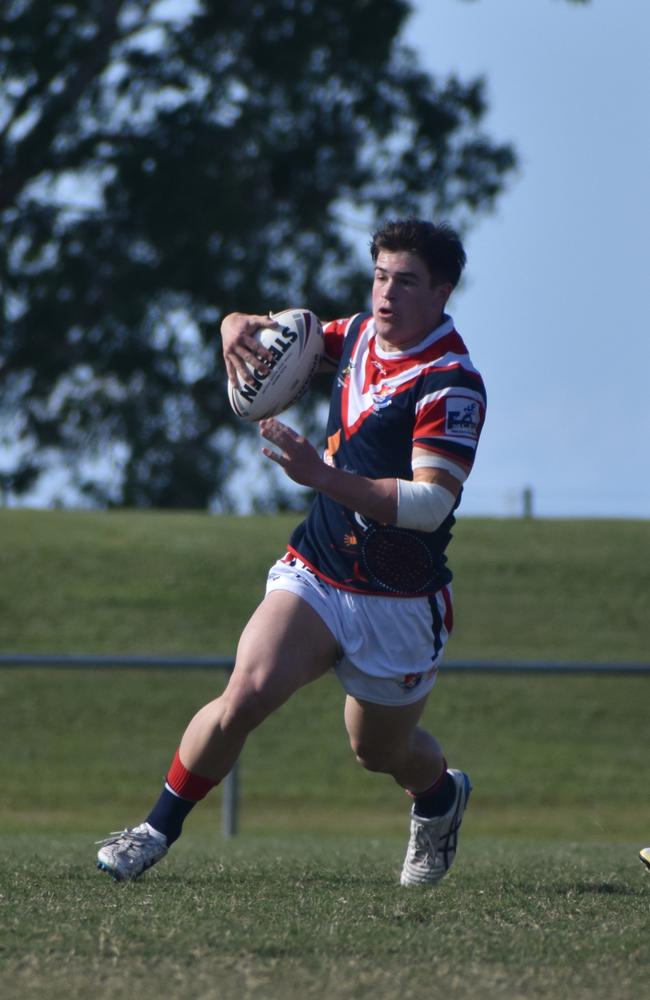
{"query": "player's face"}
pixel 405 304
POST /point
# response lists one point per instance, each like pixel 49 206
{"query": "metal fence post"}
pixel 527 498
pixel 230 806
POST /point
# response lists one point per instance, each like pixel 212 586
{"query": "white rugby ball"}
pixel 297 347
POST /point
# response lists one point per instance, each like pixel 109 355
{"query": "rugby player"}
pixel 364 587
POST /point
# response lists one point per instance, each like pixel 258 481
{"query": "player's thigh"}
pixel 378 730
pixel 284 646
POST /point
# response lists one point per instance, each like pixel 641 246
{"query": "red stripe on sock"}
pixel 187 785
pixel 432 789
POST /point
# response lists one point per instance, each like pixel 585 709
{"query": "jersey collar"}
pixel 442 330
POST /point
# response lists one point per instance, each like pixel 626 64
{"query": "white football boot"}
pixel 644 856
pixel 126 854
pixel 432 844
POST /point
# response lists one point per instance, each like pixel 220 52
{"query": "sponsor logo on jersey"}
pixel 463 417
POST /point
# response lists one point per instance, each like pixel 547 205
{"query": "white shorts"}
pixel 390 647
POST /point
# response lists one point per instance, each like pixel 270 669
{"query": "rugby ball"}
pixel 297 347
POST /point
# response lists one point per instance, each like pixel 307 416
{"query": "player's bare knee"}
pixel 383 760
pixel 244 707
pixel 370 763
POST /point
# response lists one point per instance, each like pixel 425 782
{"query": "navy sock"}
pixel 168 814
pixel 436 801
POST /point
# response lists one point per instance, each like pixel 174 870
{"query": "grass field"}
pixel 290 918
pixel 547 898
pixel 185 583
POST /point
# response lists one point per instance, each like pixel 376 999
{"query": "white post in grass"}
pixel 230 804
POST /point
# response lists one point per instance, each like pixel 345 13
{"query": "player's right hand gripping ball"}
pixel 297 347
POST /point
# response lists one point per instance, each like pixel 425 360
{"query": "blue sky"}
pixel 555 308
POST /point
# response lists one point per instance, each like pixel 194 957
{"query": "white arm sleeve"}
pixel 422 506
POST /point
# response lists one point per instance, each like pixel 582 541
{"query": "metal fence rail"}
pixel 127 662
pixel 227 663
pixel 231 793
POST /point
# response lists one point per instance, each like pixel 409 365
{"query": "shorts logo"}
pixel 410 681
pixel 463 418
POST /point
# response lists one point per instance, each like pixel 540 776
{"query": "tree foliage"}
pixel 159 169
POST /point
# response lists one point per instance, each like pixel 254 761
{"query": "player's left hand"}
pixel 296 455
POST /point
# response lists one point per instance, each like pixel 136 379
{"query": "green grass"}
pixel 161 583
pixel 291 919
pixel 547 899
pixel 140 583
pixel 558 757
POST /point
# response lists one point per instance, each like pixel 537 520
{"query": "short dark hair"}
pixel 438 245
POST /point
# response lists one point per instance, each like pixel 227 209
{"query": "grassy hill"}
pixel 161 584
pixel 164 583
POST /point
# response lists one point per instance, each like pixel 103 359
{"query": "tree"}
pixel 162 164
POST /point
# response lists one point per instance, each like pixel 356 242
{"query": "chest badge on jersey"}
pixel 382 397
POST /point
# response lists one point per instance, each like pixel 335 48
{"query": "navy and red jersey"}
pixel 383 405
